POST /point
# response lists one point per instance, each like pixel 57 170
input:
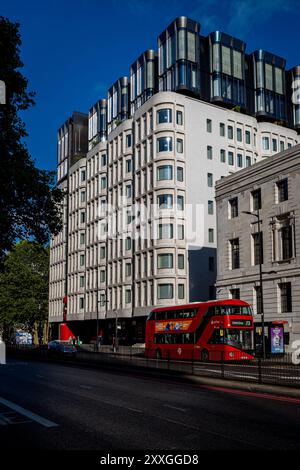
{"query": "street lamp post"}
pixel 116 332
pixel 257 215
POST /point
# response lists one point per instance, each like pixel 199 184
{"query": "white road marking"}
pixel 175 408
pixel 34 417
pixel 86 387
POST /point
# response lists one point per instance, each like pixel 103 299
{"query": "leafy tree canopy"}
pixel 24 284
pixel 29 201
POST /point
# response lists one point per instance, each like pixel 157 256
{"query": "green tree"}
pixel 24 286
pixel 29 200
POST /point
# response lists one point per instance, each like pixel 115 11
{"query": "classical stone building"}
pixel 271 190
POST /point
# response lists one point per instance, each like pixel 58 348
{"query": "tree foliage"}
pixel 24 286
pixel 29 201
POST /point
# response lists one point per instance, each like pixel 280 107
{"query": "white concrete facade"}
pixel 203 143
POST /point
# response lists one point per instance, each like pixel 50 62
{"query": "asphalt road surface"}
pixel 54 406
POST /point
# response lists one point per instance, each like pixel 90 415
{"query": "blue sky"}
pixel 74 50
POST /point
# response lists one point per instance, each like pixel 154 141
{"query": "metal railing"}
pixel 273 371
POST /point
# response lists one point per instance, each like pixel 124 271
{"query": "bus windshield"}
pixel 240 339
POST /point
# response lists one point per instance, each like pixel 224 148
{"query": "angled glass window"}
pixel 164 116
pixel 164 172
pixel 164 144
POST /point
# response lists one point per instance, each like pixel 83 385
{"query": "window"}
pixel 165 231
pixel 81 260
pixel 286 297
pixel 128 166
pixel 234 208
pixel 129 191
pixel 180 261
pixel 179 118
pixel 81 281
pixel 128 140
pixel 82 196
pixel 82 238
pixel 258 300
pixel 248 137
pixel 286 233
pixel 230 158
pixel 235 294
pixel 83 176
pixel 230 132
pixel 282 190
pixel 180 291
pixel 82 217
pixel 103 182
pixel 235 253
pixel 210 207
pixel 103 160
pixel 179 145
pixel 256 200
pixel 239 135
pixel 281 146
pixel 208 125
pixel 164 144
pixel 239 160
pixel 81 303
pixel 258 256
pixel 266 143
pixel 248 161
pixel 128 244
pixel 102 275
pixel 164 116
pixel 165 201
pixel 222 129
pixel 274 145
pixel 211 263
pixel 128 296
pixel 180 232
pixel 165 261
pixel 209 152
pixel 102 252
pixel 128 269
pixel 211 235
pixel 180 174
pixel 210 180
pixel 164 172
pixel 165 291
pixel 180 203
pixel 222 156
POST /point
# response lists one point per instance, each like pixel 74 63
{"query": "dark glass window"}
pixel 164 116
pixel 256 199
pixel 283 190
pixel 234 207
pixel 235 294
pixel 287 242
pixel 258 248
pixel 164 144
pixel 286 297
pixel 235 253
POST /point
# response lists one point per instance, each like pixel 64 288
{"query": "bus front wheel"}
pixel 158 354
pixel 204 355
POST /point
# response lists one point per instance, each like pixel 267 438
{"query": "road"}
pixel 55 406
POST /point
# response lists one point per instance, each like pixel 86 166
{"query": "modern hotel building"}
pixel 195 111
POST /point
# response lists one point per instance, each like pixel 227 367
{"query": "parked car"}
pixel 61 348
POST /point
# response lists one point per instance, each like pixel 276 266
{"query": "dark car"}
pixel 61 349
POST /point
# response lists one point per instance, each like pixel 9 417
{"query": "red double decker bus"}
pixel 214 330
